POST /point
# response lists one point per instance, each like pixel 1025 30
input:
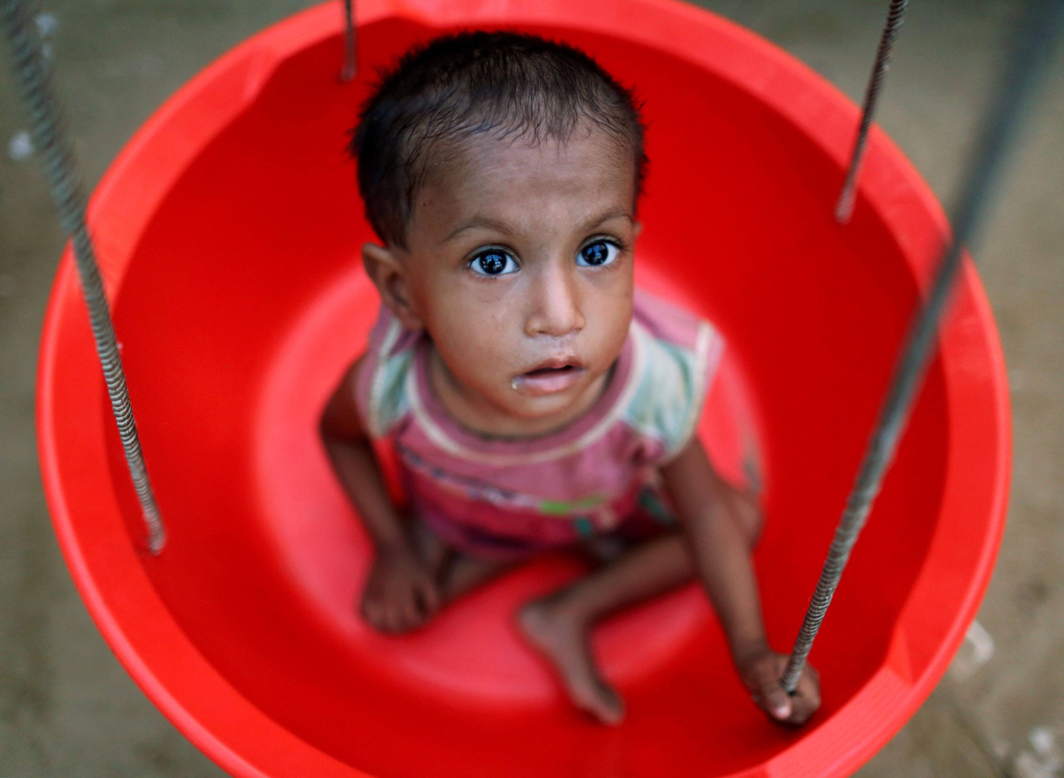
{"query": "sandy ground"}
pixel 68 709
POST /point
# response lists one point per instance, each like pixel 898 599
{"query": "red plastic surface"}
pixel 229 231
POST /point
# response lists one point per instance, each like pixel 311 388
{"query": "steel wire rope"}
pixel 347 73
pixel 46 128
pixel 848 194
pixel 1032 47
pixel 57 159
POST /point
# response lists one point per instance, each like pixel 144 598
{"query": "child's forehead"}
pixel 496 166
pixel 524 186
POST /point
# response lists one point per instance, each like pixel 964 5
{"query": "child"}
pixel 536 400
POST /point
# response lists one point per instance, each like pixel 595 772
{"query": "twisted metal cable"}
pixel 895 15
pixel 31 75
pixel 349 68
pixel 1030 55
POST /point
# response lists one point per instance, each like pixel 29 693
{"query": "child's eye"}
pixel 493 262
pixel 597 253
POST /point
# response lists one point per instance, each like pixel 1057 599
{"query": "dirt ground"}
pixel 68 709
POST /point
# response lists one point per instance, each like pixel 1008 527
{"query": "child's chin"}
pixel 545 409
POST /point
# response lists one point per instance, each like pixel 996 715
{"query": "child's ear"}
pixel 388 274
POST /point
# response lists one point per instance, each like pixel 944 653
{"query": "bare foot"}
pixel 562 641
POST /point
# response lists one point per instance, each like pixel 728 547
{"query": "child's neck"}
pixel 482 418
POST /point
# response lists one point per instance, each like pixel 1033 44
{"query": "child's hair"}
pixel 456 86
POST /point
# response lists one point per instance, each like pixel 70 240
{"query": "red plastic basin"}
pixel 228 230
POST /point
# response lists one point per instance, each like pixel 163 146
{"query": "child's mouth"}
pixel 551 377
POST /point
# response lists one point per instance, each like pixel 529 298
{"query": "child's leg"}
pixel 429 547
pixel 465 573
pixel 455 572
pixel 559 625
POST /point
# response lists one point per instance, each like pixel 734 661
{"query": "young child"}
pixel 536 400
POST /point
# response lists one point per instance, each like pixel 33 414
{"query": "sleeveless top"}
pixel 506 497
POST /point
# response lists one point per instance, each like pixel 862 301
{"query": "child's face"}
pixel 519 266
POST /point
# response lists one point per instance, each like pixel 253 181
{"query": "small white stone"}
pixel 20 146
pixel 982 642
pixel 1045 758
pixel 47 24
pixel 976 651
pixel 1028 766
pixel 1042 740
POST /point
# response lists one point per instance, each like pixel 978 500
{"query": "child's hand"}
pixel 761 672
pixel 400 593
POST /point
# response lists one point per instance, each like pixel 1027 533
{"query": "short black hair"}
pixel 508 84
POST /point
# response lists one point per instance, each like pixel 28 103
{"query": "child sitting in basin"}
pixel 535 398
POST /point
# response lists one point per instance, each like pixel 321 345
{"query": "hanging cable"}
pixel 348 71
pixel 895 15
pixel 1029 57
pixel 31 75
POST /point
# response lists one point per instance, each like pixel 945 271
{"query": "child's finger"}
pixel 429 596
pixel 380 618
pixel 774 699
pixel 370 612
pixel 427 599
pixel 807 697
pixel 803 707
pixel 810 683
pixel 809 687
pixel 411 612
pixel 395 619
pixel 389 616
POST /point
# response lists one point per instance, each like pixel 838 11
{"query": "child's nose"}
pixel 555 308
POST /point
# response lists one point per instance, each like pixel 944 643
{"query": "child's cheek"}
pixel 491 308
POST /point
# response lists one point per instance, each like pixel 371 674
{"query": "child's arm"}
pixel 400 593
pixel 710 511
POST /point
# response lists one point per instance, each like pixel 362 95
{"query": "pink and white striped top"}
pixel 505 497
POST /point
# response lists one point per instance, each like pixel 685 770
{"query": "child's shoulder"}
pixel 382 374
pixel 676 357
pixel 671 324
